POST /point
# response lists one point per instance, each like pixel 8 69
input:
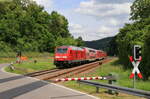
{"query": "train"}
pixel 68 56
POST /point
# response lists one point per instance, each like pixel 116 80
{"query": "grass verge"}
pixel 123 80
pixel 29 66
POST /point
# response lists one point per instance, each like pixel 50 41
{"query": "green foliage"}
pixel 146 54
pixel 26 26
pixel 59 25
pixel 112 47
pixel 5 47
pixel 127 37
pixel 140 9
pixel 80 41
pixel 130 35
pixel 65 41
pixel 137 32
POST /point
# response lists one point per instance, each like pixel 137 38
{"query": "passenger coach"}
pixel 71 55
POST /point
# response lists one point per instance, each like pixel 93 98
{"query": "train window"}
pixel 61 50
pixel 92 51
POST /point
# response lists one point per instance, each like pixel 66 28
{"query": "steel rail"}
pixel 55 73
pixel 76 69
pixel 33 74
pixel 135 92
pixel 59 72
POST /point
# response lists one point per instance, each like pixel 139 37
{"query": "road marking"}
pixel 2 69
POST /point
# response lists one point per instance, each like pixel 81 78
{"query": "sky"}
pixel 91 19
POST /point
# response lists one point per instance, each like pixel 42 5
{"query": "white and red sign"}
pixel 135 69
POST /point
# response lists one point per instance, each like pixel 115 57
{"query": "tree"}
pixel 146 55
pixel 26 26
pixel 65 41
pixel 80 41
pixel 136 33
pixel 140 9
pixel 112 47
pixel 59 25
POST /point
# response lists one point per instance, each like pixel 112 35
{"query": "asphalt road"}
pixel 13 86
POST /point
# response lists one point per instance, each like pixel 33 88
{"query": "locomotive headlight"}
pixel 60 56
pixel 57 56
pixel 64 57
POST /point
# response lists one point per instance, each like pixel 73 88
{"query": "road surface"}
pixel 13 86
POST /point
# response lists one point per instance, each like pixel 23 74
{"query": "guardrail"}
pixel 135 92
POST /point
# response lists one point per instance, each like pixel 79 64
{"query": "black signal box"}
pixel 137 52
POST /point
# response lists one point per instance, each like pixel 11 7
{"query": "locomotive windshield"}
pixel 61 50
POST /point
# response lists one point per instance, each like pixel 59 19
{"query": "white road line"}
pixel 75 90
pixel 2 69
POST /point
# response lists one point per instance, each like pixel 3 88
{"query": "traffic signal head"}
pixel 137 52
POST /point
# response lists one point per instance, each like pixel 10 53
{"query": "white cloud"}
pixel 76 28
pixel 110 15
pixel 104 29
pixel 98 9
pixel 114 22
pixel 107 31
pixel 87 36
pixel 92 34
pixel 46 3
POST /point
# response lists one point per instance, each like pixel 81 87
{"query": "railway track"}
pixel 42 72
pixel 53 74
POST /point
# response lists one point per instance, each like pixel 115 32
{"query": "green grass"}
pixel 123 80
pixel 44 61
pixel 6 60
pixel 28 66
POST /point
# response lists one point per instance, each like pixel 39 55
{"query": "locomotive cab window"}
pixel 61 50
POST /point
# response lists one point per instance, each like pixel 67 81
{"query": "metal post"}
pixel 113 82
pixel 134 80
pixel 79 83
pixel 97 89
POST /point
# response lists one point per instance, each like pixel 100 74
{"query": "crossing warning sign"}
pixel 135 69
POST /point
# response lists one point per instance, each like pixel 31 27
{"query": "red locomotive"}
pixel 69 55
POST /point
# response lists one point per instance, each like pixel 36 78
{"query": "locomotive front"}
pixel 61 56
